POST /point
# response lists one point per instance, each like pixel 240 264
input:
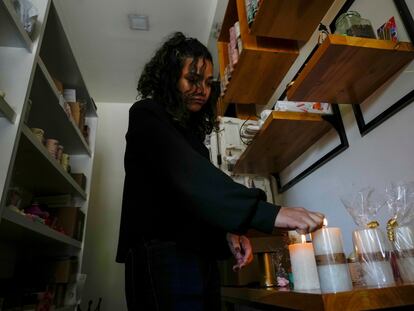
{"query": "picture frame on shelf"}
pixel 366 116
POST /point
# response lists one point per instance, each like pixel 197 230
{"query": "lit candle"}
pixel 404 244
pixel 372 249
pixel 302 259
pixel 331 263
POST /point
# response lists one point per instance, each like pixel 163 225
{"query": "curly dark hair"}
pixel 161 74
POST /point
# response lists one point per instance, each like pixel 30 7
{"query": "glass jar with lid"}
pixel 352 24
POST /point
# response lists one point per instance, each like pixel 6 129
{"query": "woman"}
pixel 180 213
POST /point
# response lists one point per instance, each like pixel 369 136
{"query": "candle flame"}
pixel 325 222
pixel 303 237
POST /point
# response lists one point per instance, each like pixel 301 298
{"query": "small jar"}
pixel 59 153
pixel 52 146
pixel 39 133
pixel 64 161
pixel 352 24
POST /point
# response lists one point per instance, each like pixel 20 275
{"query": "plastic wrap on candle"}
pixel 404 246
pixel 373 251
pixel 400 202
pixel 331 262
pixel 302 259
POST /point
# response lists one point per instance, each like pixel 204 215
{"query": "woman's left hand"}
pixel 241 249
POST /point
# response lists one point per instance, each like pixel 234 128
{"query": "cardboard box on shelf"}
pixel 71 219
pixel 75 112
pixel 64 269
pixel 59 85
pixel 80 179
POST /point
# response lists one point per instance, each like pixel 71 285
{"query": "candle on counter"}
pixel 373 249
pixel 330 258
pixel 302 259
pixel 404 245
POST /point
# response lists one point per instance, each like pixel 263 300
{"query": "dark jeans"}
pixel 160 276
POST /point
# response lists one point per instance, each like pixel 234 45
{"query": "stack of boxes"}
pixel 234 49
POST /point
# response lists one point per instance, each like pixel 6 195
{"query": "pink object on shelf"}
pixel 34 209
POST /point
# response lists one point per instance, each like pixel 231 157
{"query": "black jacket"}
pixel 173 192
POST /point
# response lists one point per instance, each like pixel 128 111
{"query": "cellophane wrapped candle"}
pixel 400 203
pixel 371 245
pixel 331 262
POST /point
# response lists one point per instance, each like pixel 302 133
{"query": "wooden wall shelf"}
pixel 289 19
pixel 262 63
pixel 357 299
pixel 347 70
pixel 282 139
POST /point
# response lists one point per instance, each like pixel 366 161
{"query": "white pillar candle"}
pixel 331 263
pixel 302 260
pixel 372 248
pixel 404 244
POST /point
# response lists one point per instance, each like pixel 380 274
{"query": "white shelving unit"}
pixel 17 59
pixel 35 62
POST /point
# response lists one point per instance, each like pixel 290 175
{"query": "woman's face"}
pixel 195 82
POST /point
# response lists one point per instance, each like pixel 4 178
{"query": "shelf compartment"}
pixel 289 19
pixel 19 228
pixel 347 70
pixel 6 111
pixel 12 33
pixel 60 61
pixel 48 114
pixel 282 139
pixel 37 171
pixel 262 63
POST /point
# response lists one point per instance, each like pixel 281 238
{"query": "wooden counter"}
pixel 358 299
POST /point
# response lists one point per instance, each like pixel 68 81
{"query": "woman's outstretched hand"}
pixel 241 249
pixel 299 219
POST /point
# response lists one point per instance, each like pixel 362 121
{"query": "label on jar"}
pixel 357 274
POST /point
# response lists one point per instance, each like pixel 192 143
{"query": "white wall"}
pixel 105 277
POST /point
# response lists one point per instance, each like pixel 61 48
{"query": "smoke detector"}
pixel 138 22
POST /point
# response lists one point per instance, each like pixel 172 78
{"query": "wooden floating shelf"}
pixel 12 33
pixel 37 171
pixel 355 300
pixel 347 70
pixel 48 114
pixel 19 227
pixel 262 63
pixel 282 139
pixel 289 19
pixel 6 111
